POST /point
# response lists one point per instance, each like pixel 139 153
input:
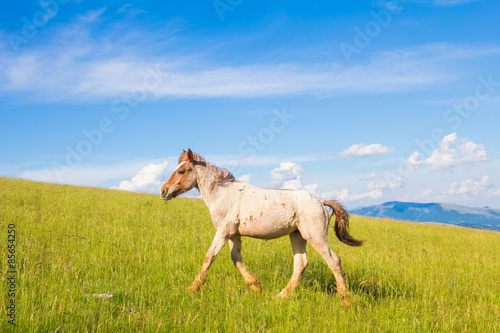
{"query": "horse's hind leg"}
pixel 317 236
pixel 251 279
pixel 333 261
pixel 299 263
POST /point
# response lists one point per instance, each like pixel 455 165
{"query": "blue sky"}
pixel 362 101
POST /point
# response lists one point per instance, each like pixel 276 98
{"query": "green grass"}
pixel 75 241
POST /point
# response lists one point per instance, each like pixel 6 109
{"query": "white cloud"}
pixel 130 11
pixel 375 190
pixel 245 179
pixel 364 150
pixel 83 175
pixel 449 3
pixel 149 179
pixel 443 3
pixel 383 185
pixel 297 185
pixel 286 171
pixel 370 176
pixel 289 176
pixel 473 188
pixel 452 152
pixel 414 159
pixel 424 194
pixel 346 196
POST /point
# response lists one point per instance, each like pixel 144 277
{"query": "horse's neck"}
pixel 206 185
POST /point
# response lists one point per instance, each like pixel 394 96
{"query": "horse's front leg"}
pixel 218 243
pixel 251 279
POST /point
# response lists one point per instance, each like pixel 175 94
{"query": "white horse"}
pixel 240 209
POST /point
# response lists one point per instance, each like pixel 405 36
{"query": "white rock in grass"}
pixel 104 296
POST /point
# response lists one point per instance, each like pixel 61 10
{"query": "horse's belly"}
pixel 263 231
pixel 268 224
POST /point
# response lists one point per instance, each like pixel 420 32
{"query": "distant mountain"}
pixel 447 213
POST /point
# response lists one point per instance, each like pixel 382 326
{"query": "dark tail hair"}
pixel 342 223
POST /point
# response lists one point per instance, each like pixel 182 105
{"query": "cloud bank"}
pixel 452 152
pixel 365 150
pixel 149 179
pixel 473 188
pixel 73 63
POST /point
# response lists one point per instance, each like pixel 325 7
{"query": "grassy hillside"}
pixel 72 242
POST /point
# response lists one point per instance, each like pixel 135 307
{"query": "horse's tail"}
pixel 342 223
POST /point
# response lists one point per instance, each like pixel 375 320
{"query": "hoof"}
pixel 253 282
pixel 193 287
pixel 255 287
pixel 345 298
pixel 284 294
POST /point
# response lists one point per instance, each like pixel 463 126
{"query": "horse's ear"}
pixel 190 156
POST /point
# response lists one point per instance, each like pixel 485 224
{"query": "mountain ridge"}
pixel 446 213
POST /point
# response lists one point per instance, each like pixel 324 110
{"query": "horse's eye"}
pixel 181 172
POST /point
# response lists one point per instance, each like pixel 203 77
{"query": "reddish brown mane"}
pixel 221 175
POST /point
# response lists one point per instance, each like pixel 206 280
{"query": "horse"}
pixel 240 209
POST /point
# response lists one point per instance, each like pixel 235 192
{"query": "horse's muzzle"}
pixel 165 195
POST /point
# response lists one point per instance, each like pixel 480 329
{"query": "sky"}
pixel 361 101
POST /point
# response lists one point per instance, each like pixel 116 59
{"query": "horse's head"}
pixel 182 180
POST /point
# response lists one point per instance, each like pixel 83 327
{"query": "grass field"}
pixel 72 242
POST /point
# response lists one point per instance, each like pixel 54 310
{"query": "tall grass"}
pixel 73 242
